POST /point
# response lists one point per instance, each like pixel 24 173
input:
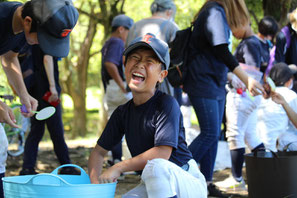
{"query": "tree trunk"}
pixel 80 115
pixel 75 83
pixel 279 9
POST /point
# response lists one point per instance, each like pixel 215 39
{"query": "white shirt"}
pixel 273 119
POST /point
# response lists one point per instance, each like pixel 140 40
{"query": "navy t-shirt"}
pixel 249 51
pixel 8 40
pixel 265 52
pixel 112 51
pixel 32 57
pixel 207 74
pixel 284 54
pixel 158 122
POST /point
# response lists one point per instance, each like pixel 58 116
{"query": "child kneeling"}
pixel 153 126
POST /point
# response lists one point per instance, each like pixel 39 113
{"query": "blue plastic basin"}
pixel 58 186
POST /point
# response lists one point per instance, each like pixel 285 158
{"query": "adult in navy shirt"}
pixel 241 110
pixel 45 79
pixel 12 39
pixel 205 82
pixel 24 22
pixel 20 23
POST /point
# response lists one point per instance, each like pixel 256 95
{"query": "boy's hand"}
pixel 110 175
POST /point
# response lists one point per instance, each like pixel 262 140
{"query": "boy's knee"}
pixel 156 168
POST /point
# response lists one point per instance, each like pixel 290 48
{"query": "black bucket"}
pixel 272 175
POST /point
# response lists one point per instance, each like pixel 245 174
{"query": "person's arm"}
pixel 95 163
pixel 133 164
pixel 223 53
pixel 11 66
pixel 279 99
pixel 48 63
pixel 254 87
pixel 114 74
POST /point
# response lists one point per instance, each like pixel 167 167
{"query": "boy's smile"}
pixel 143 71
pixel 138 77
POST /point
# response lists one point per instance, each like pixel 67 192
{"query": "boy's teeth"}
pixel 138 75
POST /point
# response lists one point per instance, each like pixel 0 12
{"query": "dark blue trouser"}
pixel 1 185
pixel 55 127
pixel 209 113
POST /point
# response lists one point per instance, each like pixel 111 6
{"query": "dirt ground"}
pixel 79 153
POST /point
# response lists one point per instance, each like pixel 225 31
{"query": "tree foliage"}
pixel 81 69
pixel 94 27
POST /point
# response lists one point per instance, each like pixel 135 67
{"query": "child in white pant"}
pixel 153 126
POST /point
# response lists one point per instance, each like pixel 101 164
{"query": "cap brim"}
pixel 293 68
pixel 139 44
pixel 57 47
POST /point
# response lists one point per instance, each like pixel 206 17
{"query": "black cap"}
pixel 280 74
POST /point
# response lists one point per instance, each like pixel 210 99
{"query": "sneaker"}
pixel 28 171
pixel 231 184
pixel 213 191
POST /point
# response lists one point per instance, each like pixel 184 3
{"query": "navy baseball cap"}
pixel 158 46
pixel 55 21
pixel 122 20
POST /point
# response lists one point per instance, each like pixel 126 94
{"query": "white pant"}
pixel 162 178
pixel 287 141
pixel 3 149
pixel 114 97
pixel 241 116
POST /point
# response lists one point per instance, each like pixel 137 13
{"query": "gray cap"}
pixel 122 20
pixel 55 21
pixel 162 5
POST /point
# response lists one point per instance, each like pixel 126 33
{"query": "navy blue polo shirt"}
pixel 249 51
pixel 207 74
pixel 158 122
pixel 112 51
pixel 8 40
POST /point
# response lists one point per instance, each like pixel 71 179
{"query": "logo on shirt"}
pixel 146 38
pixel 65 32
